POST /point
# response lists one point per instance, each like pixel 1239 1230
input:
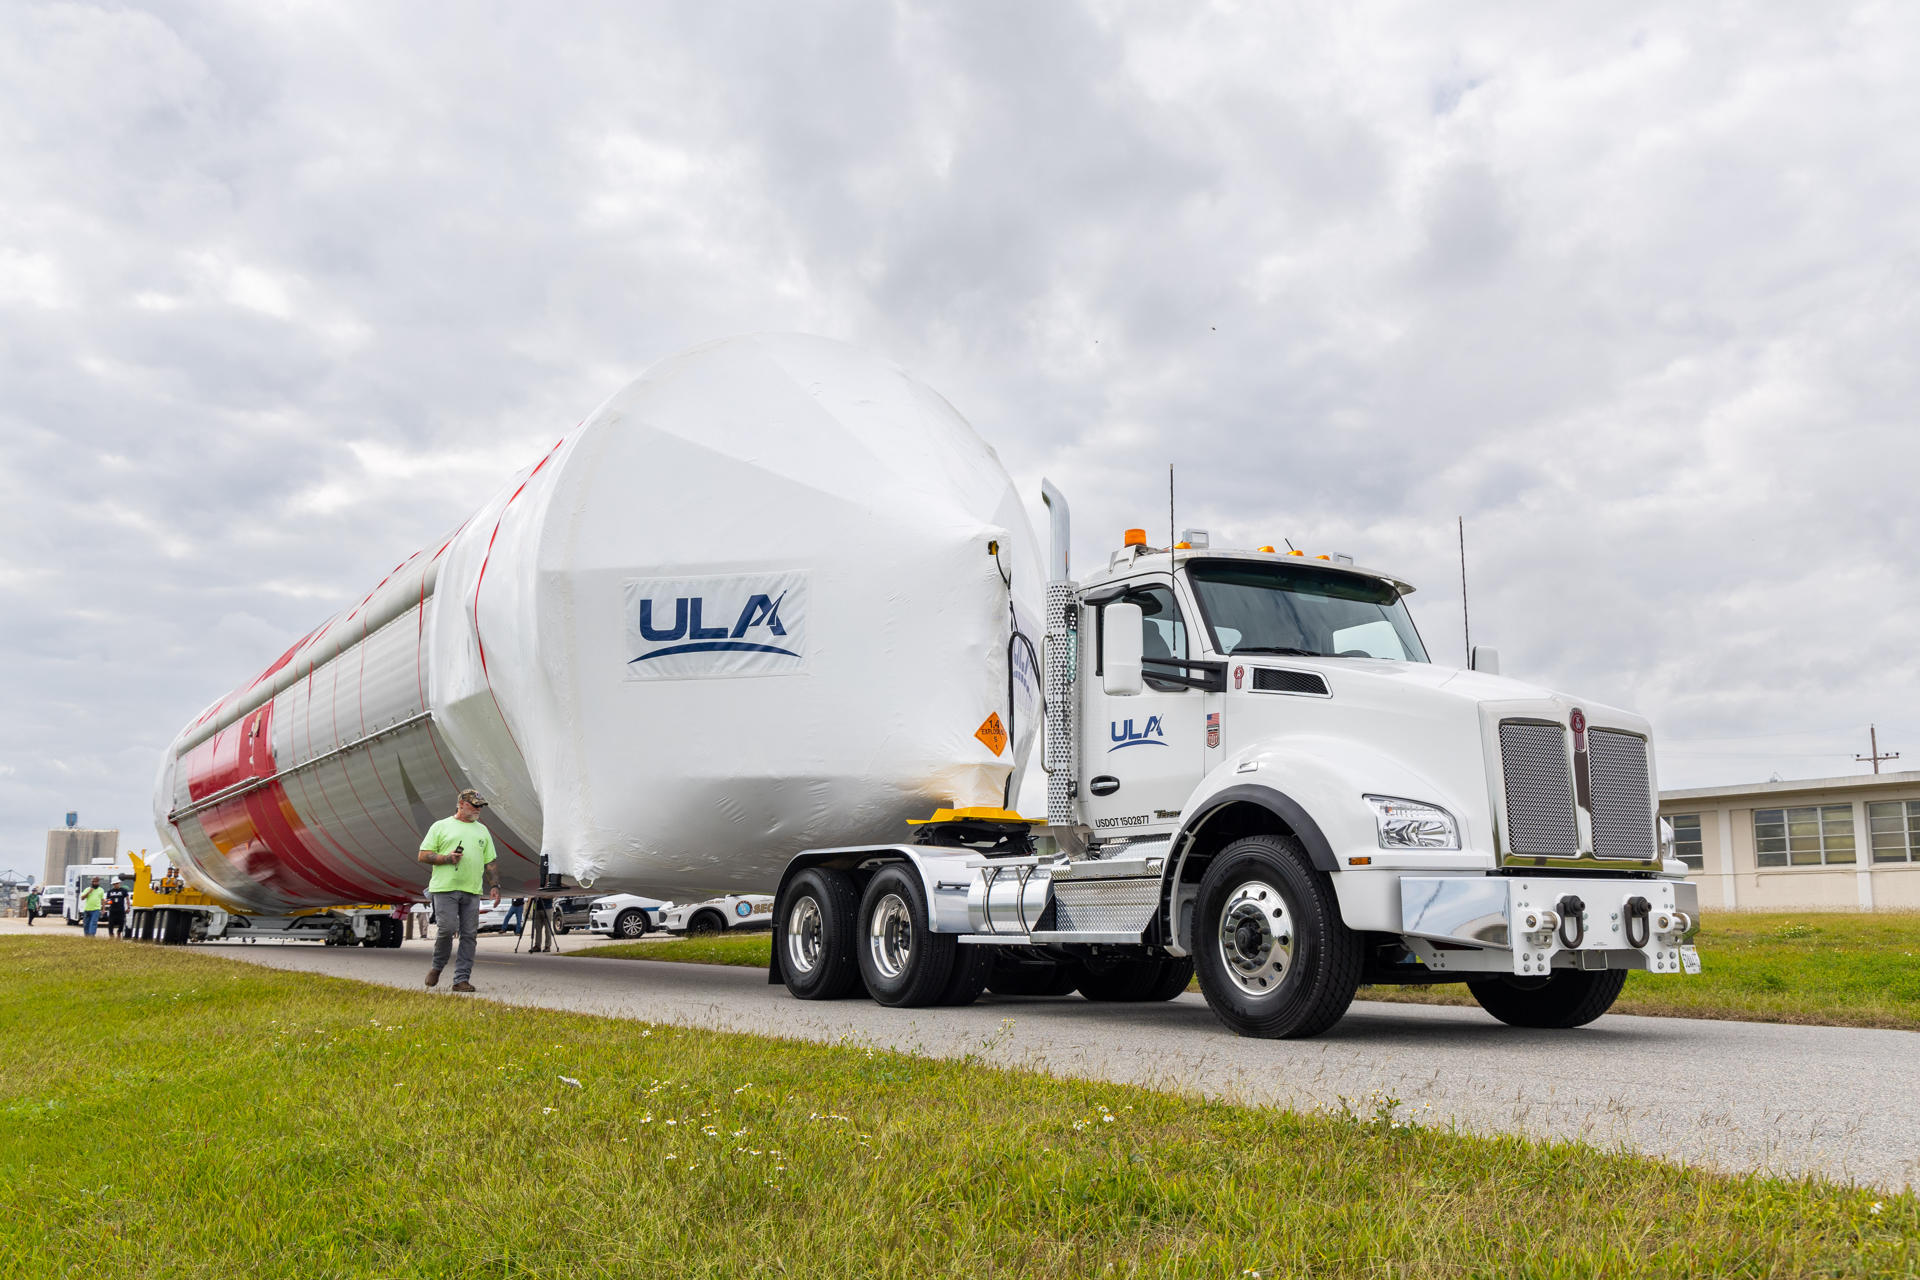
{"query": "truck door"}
pixel 1141 755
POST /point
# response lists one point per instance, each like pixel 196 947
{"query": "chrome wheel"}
pixel 1256 937
pixel 806 933
pixel 890 936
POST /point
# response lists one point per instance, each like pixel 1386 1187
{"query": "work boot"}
pixel 463 986
pixel 433 977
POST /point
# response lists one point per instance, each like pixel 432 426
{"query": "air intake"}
pixel 1539 784
pixel 1622 796
pixel 1270 680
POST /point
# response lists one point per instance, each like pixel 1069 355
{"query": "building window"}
pixel 1686 840
pixel 1808 837
pixel 1895 827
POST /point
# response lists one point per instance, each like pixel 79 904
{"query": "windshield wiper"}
pixel 1281 649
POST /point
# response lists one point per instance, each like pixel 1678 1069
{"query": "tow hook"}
pixel 1572 912
pixel 1638 909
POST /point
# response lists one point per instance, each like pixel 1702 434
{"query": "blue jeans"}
pixel 92 919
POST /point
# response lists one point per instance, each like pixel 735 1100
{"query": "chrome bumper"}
pixel 1528 925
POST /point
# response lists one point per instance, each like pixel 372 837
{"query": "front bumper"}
pixel 1527 926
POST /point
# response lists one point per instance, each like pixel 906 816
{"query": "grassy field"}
pixel 1843 970
pixel 176 1114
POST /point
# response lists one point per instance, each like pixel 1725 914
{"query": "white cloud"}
pixel 286 291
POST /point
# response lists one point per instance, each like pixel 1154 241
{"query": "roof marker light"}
pixel 1296 552
pixel 1136 537
pixel 1268 550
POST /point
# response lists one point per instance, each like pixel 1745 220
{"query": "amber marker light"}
pixel 1136 537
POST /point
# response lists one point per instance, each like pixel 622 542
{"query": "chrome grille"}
pixel 1622 799
pixel 1539 784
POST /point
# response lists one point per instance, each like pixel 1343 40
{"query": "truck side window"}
pixel 1163 631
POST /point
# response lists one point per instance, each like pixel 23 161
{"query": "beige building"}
pixel 1832 844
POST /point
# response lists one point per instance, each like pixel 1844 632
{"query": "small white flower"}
pixel 546 1111
pixel 1874 1208
pixel 570 1081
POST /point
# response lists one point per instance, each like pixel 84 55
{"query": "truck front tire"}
pixel 1569 998
pixel 814 935
pixel 1274 957
pixel 904 964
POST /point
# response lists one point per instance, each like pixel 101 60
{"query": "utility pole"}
pixel 1873 737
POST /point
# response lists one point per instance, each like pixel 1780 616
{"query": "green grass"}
pixel 176 1114
pixel 753 949
pixel 1841 970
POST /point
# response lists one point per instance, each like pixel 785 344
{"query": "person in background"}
pixel 33 906
pixel 460 851
pixel 516 917
pixel 421 915
pixel 171 882
pixel 117 910
pixel 90 903
pixel 542 919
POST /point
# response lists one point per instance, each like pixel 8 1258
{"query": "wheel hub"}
pixel 1256 937
pixel 805 935
pixel 890 936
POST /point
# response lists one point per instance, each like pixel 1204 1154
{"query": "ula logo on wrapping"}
pixel 739 625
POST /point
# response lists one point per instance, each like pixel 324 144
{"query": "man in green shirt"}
pixel 33 906
pixel 90 904
pixel 460 851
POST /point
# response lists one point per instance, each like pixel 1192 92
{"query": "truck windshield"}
pixel 1290 608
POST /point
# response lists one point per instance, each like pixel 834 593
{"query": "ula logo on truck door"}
pixel 748 624
pixel 1123 734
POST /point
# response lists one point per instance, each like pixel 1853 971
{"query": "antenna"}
pixel 1466 624
pixel 1170 524
pixel 1873 737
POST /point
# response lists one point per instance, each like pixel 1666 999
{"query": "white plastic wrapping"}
pixel 748 608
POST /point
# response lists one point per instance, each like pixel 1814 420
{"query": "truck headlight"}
pixel 1408 824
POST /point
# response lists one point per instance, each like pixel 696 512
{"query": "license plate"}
pixel 1690 959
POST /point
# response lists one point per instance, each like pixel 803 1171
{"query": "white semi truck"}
pixel 775 599
pixel 1256 775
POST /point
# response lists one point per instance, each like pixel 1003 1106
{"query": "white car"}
pixel 716 915
pixel 625 915
pixel 493 919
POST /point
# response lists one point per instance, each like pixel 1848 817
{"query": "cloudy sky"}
pixel 286 289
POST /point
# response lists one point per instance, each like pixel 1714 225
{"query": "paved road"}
pixel 1734 1095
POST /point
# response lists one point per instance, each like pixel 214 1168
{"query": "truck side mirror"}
pixel 1121 630
pixel 1485 659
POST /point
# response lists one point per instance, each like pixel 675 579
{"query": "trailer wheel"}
pixel 631 923
pixel 1138 981
pixel 904 964
pixel 1275 959
pixel 1570 998
pixel 175 928
pixel 1033 977
pixel 815 935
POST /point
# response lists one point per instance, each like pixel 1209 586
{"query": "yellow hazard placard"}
pixel 993 733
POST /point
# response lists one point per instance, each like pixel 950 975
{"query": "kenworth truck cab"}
pixel 1256 775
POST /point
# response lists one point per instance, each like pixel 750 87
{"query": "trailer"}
pixel 172 913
